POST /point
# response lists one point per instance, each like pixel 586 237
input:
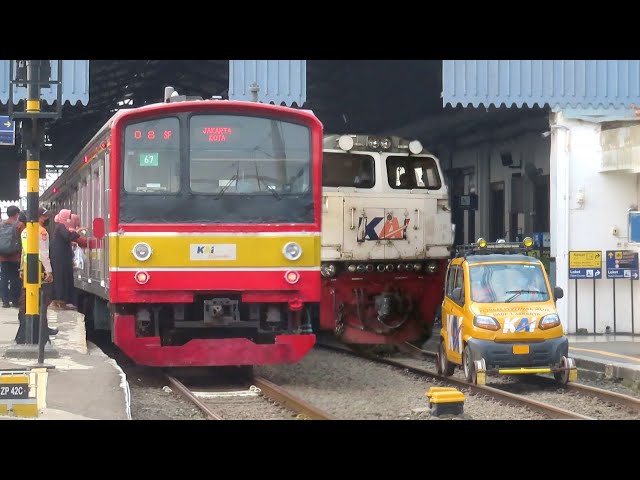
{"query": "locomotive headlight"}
pixel 361 268
pixel 292 251
pixel 432 267
pixel 351 268
pixel 373 142
pixel 417 266
pixel 345 142
pixel 415 147
pixel 370 267
pixel 142 251
pixel 385 143
pixel 380 267
pixel 327 270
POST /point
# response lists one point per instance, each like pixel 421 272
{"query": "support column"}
pixel 559 215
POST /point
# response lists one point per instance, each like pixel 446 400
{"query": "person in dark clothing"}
pixel 62 261
pixel 10 284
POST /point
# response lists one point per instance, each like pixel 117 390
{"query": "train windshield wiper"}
pixel 226 187
pixel 272 190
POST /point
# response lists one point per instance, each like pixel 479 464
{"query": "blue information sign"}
pixel 7 131
pixel 622 264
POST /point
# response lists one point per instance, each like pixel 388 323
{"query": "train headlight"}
pixel 380 267
pixel 141 277
pixel 417 267
pixel 142 251
pixel 385 143
pixel 432 267
pixel 351 268
pixel 373 143
pixel 389 268
pixel 292 277
pixel 361 268
pixel 327 270
pixel 292 251
pixel 370 267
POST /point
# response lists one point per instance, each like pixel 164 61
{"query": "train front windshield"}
pixel 224 169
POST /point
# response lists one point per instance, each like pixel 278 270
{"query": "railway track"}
pixel 262 400
pixel 501 392
pixel 632 404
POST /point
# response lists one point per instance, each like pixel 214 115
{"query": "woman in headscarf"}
pixel 62 261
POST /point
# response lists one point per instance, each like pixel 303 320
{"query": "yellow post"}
pixel 32 282
pixel 32 274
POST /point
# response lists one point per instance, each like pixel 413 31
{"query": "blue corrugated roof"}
pixel 75 83
pixel 280 81
pixel 608 84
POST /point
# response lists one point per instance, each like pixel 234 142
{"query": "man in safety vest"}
pixel 47 283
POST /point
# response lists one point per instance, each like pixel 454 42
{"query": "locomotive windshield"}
pixel 347 170
pixel 217 168
pixel 413 172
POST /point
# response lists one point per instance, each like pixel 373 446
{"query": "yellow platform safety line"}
pixel 518 371
pixel 606 354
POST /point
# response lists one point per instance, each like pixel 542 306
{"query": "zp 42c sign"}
pixel 585 264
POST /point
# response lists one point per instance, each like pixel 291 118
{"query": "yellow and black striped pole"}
pixel 32 273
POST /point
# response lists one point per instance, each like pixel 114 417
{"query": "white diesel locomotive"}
pixel 386 239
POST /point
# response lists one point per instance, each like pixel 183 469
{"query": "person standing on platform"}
pixel 10 230
pixel 62 262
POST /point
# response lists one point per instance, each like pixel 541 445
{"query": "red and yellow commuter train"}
pixel 205 218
